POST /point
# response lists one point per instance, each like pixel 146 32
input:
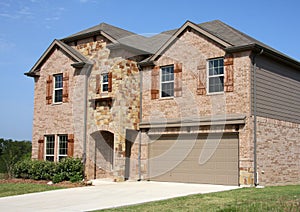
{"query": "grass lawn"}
pixel 10 189
pixel 277 198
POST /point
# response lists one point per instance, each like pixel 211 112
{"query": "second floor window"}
pixel 104 87
pixel 58 88
pixel 216 75
pixel 167 81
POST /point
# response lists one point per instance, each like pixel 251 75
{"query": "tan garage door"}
pixel 209 159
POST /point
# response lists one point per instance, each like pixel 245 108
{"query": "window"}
pixel 216 75
pixel 58 88
pixel 167 81
pixel 62 146
pixel 104 82
pixel 50 143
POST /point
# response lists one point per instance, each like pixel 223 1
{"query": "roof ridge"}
pixel 114 31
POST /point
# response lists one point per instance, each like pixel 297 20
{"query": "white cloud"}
pixel 24 11
pixel 52 18
pixel 11 16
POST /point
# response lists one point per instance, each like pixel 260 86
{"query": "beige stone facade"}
pixel 110 128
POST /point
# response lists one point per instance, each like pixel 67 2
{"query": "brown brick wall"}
pixel 193 51
pixel 54 119
pixel 278 152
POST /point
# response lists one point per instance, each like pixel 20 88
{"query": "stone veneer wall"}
pixel 278 152
pixel 192 50
pixel 55 119
pixel 121 116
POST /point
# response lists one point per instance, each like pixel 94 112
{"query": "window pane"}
pixel 58 95
pixel 63 145
pixel 50 158
pixel 50 147
pixel 216 68
pixel 58 81
pixel 104 87
pixel 167 89
pixel 105 78
pixel 167 81
pixel 216 84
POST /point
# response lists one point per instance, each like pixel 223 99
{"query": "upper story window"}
pixel 216 75
pixel 49 147
pixel 104 83
pixel 62 146
pixel 58 88
pixel 167 81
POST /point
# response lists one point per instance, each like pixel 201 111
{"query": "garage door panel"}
pixel 220 168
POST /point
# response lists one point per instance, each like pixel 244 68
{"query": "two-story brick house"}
pixel 203 103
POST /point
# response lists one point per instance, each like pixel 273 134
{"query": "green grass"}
pixel 277 198
pixel 10 189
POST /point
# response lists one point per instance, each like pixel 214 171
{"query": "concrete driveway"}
pixel 104 195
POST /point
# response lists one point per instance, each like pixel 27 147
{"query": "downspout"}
pixel 255 118
pixel 140 132
pixel 87 71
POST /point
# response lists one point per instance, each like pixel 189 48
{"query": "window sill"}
pixel 166 98
pixel 216 93
pixel 57 103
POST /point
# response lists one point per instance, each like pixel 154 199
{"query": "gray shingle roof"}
pixel 114 32
pixel 152 45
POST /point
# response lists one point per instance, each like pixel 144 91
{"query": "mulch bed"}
pixel 65 184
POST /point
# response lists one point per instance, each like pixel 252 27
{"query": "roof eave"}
pixel 36 68
pixel 266 51
pixel 188 24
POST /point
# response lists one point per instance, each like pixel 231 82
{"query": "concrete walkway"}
pixel 104 195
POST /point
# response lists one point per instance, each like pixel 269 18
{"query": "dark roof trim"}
pixel 203 121
pixel 127 47
pixel 75 55
pixel 181 30
pixel 266 51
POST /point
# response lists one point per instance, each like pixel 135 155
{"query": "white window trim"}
pixel 160 83
pixel 208 77
pixel 104 83
pixel 56 89
pixel 45 148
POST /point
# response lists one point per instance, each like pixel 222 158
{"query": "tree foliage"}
pixel 11 152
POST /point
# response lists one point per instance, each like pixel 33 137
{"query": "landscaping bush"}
pixel 68 169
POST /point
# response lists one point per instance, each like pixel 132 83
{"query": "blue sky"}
pixel 27 27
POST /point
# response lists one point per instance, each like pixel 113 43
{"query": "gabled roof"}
pixel 231 39
pixel 111 32
pixel 75 55
pixel 186 25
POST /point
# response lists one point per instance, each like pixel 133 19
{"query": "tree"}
pixel 11 152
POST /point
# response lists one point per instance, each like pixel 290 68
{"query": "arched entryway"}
pixel 103 154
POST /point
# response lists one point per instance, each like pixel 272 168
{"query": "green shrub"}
pixel 68 169
pixel 57 178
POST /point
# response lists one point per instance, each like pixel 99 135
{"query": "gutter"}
pixel 140 132
pixel 255 117
pixel 268 51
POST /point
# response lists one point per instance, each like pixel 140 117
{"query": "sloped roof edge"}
pixel 75 55
pixel 180 30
